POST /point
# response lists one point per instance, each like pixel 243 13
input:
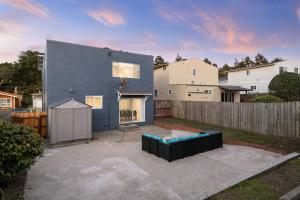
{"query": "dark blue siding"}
pixel 76 71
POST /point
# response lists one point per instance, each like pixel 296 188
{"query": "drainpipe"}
pixel 109 86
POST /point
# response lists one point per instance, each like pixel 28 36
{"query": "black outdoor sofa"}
pixel 181 147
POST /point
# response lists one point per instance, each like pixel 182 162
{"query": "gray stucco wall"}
pixel 76 71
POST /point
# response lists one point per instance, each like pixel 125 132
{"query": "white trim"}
pixel 144 113
pixel 7 105
pixel 95 108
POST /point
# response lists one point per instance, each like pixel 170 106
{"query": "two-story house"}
pixel 9 100
pixel 191 80
pixel 257 78
pixel 118 85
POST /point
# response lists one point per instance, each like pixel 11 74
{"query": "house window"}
pixel 164 68
pixel 194 72
pixel 155 93
pixel 253 87
pixel 5 102
pixel 169 92
pixel 189 95
pixel 227 97
pixel 125 70
pixel 207 91
pixel 282 69
pixel 95 101
pixel 248 72
pixel 296 70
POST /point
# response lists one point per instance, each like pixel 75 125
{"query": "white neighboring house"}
pixel 257 78
pixel 37 101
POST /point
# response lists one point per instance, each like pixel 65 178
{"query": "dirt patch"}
pixel 177 127
pixel 258 146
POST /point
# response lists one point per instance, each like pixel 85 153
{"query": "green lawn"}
pixel 270 185
pixel 283 144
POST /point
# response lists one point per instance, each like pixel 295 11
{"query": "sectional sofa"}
pixel 183 146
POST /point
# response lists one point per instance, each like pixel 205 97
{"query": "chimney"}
pixel 16 90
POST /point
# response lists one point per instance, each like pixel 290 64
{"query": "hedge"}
pixel 19 146
pixel 266 99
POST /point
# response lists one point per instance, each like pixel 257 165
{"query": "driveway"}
pixel 115 167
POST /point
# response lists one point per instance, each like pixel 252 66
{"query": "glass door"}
pixel 131 110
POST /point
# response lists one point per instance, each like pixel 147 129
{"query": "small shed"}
pixel 69 120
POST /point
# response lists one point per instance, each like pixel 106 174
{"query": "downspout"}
pixel 109 86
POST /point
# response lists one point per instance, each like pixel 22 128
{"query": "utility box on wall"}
pixel 69 120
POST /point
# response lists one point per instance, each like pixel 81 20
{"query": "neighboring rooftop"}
pixel 253 67
pixel 10 94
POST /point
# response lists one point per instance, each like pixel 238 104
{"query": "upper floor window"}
pixel 253 87
pixel 194 72
pixel 95 101
pixel 5 102
pixel 207 91
pixel 170 92
pixel 248 72
pixel 296 70
pixel 155 93
pixel 125 70
pixel 282 69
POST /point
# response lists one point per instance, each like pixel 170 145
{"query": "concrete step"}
pixel 128 127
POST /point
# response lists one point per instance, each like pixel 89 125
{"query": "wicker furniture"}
pixel 182 146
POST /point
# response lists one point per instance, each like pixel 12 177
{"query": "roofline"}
pixel 11 94
pixel 254 67
pixel 104 48
pixel 182 61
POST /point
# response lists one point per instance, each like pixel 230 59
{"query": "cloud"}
pixel 107 17
pixel 223 30
pixel 298 13
pixel 27 6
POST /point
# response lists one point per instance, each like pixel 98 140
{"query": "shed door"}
pixel 64 123
pixel 80 123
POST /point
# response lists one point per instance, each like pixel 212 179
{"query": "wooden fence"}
pixel 162 109
pixel 281 119
pixel 37 120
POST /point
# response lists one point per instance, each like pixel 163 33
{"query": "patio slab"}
pixel 115 167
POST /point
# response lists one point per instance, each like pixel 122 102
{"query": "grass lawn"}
pixel 270 185
pixel 281 144
pixel 15 190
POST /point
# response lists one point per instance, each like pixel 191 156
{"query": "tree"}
pixel 247 61
pixel 159 62
pixel 178 58
pixel 207 61
pixel 226 67
pixel 276 60
pixel 23 74
pixel 215 65
pixel 286 86
pixel 265 99
pixel 260 59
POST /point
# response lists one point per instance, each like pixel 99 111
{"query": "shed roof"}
pixel 234 88
pixel 69 103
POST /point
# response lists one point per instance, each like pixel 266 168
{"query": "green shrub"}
pixel 19 146
pixel 286 86
pixel 266 99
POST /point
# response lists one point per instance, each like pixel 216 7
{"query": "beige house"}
pixel 191 80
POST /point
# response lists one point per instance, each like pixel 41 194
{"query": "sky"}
pixel 221 30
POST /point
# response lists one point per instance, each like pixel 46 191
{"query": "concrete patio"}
pixel 113 167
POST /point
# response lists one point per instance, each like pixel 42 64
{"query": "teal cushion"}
pixel 156 137
pixel 203 134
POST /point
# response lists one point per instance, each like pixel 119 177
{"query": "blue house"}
pixel 117 84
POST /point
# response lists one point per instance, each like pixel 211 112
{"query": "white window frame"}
pixel 144 113
pixel 6 104
pixel 93 107
pixel 118 76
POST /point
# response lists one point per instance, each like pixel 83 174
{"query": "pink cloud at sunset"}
pixel 27 6
pixel 298 13
pixel 107 17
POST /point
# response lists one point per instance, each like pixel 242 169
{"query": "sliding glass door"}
pixel 131 110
